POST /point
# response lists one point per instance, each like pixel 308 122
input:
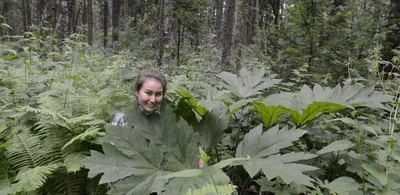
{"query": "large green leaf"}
pixel 348 95
pixel 115 165
pixel 336 146
pixel 139 185
pixel 192 102
pixel 210 189
pixel 134 157
pixel 312 111
pixel 249 83
pixel 258 145
pixel 181 183
pixel 282 166
pixel 270 115
pixel 211 128
pixel 343 185
pixel 13 189
pixel 235 106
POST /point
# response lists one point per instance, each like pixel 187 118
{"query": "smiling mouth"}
pixel 151 105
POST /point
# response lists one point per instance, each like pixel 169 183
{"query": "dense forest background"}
pixel 276 96
pixel 336 39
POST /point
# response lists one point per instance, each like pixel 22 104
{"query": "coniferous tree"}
pixel 116 12
pixel 228 33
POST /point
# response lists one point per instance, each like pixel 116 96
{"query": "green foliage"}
pixel 51 114
pixel 258 145
pixel 56 97
pixel 249 83
pixel 336 146
pixel 213 190
pixel 4 179
pixel 270 115
pixel 32 179
pixel 170 147
pixel 211 128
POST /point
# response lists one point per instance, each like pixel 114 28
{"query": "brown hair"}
pixel 150 74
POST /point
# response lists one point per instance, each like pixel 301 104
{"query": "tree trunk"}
pixel 77 16
pixel 219 5
pixel 250 20
pixel 28 13
pixel 40 10
pixel 24 15
pixel 4 29
pixel 116 11
pixel 275 4
pixel 90 21
pixel 211 16
pixel 253 17
pixel 57 15
pixel 393 37
pixel 84 13
pixel 160 32
pixel 132 11
pixel 228 32
pixel 71 16
pixel 105 22
pixel 63 18
pixel 311 41
pixel 172 31
pixel 178 45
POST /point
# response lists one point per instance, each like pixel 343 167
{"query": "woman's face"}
pixel 150 95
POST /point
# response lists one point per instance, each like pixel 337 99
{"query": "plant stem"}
pixel 361 149
pixel 245 185
pixel 66 97
pixel 239 130
pixel 391 133
pixel 216 153
pixel 11 88
pixel 215 185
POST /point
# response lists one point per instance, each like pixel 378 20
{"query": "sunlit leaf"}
pixel 336 146
pixel 270 115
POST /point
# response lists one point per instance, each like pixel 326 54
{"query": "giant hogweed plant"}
pixel 166 164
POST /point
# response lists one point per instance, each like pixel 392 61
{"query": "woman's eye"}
pixel 148 93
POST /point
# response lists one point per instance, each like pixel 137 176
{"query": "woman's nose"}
pixel 152 98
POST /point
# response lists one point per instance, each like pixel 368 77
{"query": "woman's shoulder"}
pixel 119 119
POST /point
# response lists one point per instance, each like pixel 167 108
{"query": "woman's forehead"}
pixel 152 85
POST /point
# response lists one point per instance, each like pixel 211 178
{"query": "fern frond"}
pixel 81 119
pixel 85 105
pixel 73 161
pixel 45 125
pixel 93 187
pixel 4 180
pixel 90 133
pixel 42 111
pixel 32 179
pixel 24 151
pixel 71 183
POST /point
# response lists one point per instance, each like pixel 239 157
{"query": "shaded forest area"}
pixel 324 36
pixel 275 96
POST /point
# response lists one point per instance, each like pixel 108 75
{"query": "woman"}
pixel 150 90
